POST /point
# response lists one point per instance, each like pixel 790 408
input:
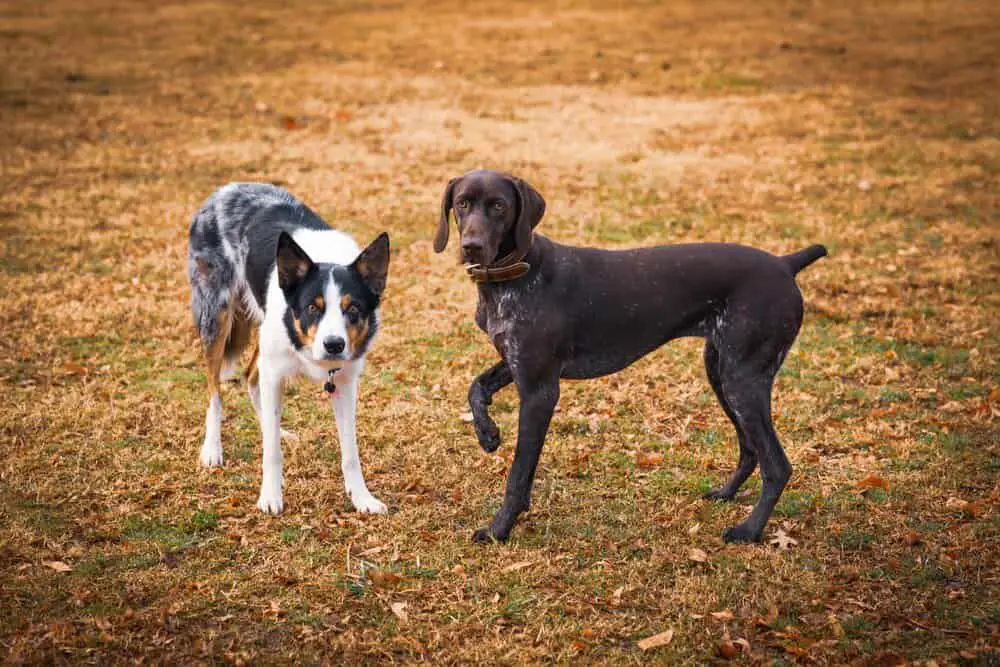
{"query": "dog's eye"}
pixel 353 314
pixel 462 204
pixel 499 206
pixel 313 309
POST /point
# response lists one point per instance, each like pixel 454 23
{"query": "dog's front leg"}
pixel 345 402
pixel 270 500
pixel 538 401
pixel 480 396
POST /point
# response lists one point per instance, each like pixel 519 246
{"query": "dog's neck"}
pixel 509 267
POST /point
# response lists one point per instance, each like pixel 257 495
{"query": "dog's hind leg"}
pixel 215 355
pixel 748 459
pixel 345 403
pixel 480 396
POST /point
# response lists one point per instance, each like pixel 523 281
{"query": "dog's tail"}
pixel 803 258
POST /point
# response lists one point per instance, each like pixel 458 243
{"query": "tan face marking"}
pixel 306 337
pixel 320 303
pixel 356 333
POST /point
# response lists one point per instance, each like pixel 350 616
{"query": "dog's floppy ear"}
pixel 373 264
pixel 532 208
pixel 292 261
pixel 441 238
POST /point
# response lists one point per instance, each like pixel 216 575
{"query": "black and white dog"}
pixel 268 272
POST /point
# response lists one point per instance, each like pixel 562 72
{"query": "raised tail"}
pixel 803 258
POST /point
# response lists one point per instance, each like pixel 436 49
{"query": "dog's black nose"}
pixel 472 248
pixel 333 344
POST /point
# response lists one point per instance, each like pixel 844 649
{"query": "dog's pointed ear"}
pixel 373 264
pixel 292 261
pixel 532 208
pixel 441 238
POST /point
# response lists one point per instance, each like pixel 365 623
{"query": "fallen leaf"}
pixel 57 565
pixel 724 615
pixel 518 566
pixel 290 123
pixel 726 649
pixel 74 369
pixel 913 538
pixel 743 644
pixel 466 417
pixel 783 540
pixel 661 639
pixel 954 503
pixel 380 578
pixel 649 459
pixel 399 611
pixel 872 482
pixel 588 633
pixel 697 555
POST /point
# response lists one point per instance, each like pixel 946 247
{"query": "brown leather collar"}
pixel 507 268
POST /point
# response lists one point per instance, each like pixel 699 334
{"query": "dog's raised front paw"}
pixel 489 437
pixel 366 503
pixel 211 454
pixel 270 501
pixel 741 534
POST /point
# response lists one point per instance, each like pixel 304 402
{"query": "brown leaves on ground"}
pixel 657 640
pixel 641 123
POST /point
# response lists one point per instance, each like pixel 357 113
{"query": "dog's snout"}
pixel 333 344
pixel 472 249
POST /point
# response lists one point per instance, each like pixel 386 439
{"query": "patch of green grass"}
pixel 142 529
pixel 795 503
pixel 291 534
pixel 204 520
pixel 890 395
pixel 709 436
pixel 954 442
pixel 87 347
pixel 852 539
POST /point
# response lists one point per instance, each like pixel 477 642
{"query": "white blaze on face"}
pixel 332 324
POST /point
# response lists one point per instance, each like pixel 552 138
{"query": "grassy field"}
pixel 871 127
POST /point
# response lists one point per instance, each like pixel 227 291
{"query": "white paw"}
pixel 366 503
pixel 270 501
pixel 289 436
pixel 211 454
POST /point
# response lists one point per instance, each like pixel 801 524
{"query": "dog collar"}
pixel 508 268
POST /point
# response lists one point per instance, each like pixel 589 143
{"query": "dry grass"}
pixel 872 129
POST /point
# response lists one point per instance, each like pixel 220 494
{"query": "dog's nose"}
pixel 472 248
pixel 333 344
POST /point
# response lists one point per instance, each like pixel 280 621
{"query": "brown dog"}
pixel 554 311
